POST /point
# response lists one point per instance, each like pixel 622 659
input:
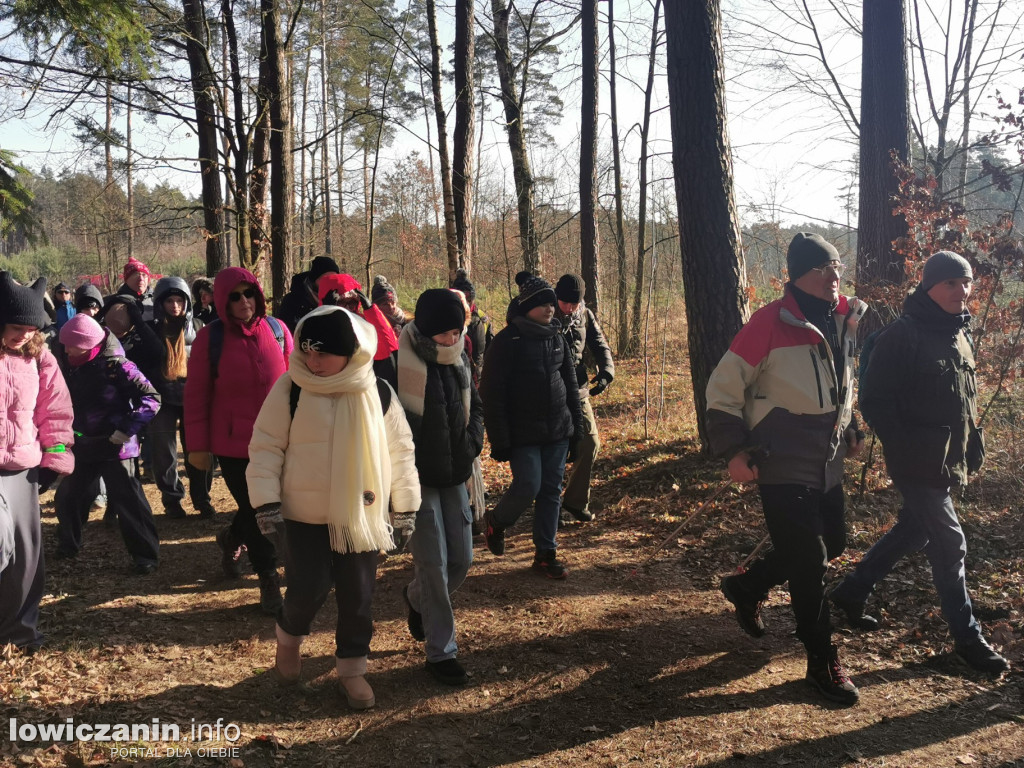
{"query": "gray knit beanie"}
pixel 807 251
pixel 944 265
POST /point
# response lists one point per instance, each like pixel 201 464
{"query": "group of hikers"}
pixel 345 426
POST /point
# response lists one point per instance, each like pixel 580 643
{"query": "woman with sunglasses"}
pixel 234 363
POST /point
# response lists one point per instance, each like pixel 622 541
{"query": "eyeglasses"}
pixel 825 270
pixel 248 293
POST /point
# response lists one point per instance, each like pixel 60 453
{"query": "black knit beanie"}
pixel 321 266
pixel 808 251
pixel 462 283
pixel 534 292
pixel 570 289
pixel 381 288
pixel 22 304
pixel 439 310
pixel 944 265
pixel 329 333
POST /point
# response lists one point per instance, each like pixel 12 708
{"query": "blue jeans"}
pixel 926 521
pixel 537 472
pixel 442 550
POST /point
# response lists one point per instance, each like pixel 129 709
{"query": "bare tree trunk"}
pixel 257 207
pixel 280 151
pixel 226 145
pixel 325 164
pixel 589 244
pixel 302 164
pixel 450 237
pixel 462 160
pixel 645 131
pixel 203 88
pixel 129 180
pixel 238 131
pixel 884 132
pixel 521 171
pixel 620 226
pixel 430 155
pixel 714 274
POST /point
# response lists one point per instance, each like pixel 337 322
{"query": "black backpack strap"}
pixel 293 399
pixel 216 346
pixel 384 391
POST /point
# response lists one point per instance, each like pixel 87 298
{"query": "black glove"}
pixel 573 449
pixel 364 302
pixel 600 382
pixel 46 477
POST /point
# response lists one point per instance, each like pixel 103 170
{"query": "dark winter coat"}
pixel 141 345
pixel 171 392
pixel 919 393
pixel 109 393
pixel 529 388
pixel 144 300
pixel 479 335
pixel 298 302
pixel 582 332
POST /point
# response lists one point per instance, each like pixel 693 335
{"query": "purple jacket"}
pixel 109 394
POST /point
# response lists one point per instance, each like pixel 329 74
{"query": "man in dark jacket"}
pixel 582 332
pixel 919 395
pixel 136 286
pixel 479 332
pixel 303 297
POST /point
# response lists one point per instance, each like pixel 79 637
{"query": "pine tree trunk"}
pixel 714 274
pixel 620 227
pixel 280 152
pixel 589 243
pixel 462 160
pixel 450 236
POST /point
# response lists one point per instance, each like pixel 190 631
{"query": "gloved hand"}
pixel 268 518
pixel 201 460
pixel 119 437
pixel 600 382
pixel 46 477
pixel 573 450
pixel 404 522
pixel 364 302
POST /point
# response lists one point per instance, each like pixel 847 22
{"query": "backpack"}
pixel 383 391
pixel 216 327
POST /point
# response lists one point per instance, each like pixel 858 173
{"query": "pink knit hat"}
pixel 81 331
pixel 133 266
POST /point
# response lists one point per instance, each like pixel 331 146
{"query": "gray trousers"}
pixel 162 434
pixel 577 487
pixel 21 582
pixel 442 551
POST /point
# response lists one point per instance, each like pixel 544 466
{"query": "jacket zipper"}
pixel 817 378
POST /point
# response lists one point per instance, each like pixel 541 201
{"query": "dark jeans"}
pixel 537 472
pixel 124 492
pixel 311 568
pixel 926 521
pixel 162 435
pixel 808 528
pixel 244 529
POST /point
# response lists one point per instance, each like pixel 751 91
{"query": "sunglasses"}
pixel 248 293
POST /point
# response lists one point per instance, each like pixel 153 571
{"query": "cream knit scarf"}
pixel 360 461
pixel 414 352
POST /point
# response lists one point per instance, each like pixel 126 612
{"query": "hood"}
pixel 165 286
pixel 340 282
pixel 362 358
pixel 223 284
pixel 88 291
pixel 198 285
pixel 299 282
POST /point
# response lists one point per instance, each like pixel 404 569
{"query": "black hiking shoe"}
pixel 174 510
pixel 415 619
pixel 748 610
pixel 270 593
pixel 495 536
pixel 825 673
pixel 448 671
pixel 582 515
pixel 547 562
pixel 854 613
pixel 230 552
pixel 206 510
pixel 981 656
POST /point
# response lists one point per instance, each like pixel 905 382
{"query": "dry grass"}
pixel 618 665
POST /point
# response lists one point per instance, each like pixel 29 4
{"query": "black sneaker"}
pixel 174 510
pixel 230 552
pixel 270 593
pixel 854 612
pixel 206 510
pixel 825 673
pixel 415 619
pixel 981 656
pixel 448 671
pixel 582 515
pixel 748 610
pixel 495 536
pixel 143 568
pixel 547 562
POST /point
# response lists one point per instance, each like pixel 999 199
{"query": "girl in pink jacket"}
pixel 35 433
pixel 234 362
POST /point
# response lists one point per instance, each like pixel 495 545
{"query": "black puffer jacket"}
pixel 919 393
pixel 445 444
pixel 529 388
pixel 582 332
pixel 298 302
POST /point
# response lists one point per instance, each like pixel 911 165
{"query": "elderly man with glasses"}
pixel 780 410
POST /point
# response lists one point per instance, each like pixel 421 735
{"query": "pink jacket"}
pixel 36 414
pixel 220 412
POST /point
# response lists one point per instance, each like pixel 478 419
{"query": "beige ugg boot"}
pixel 352 682
pixel 288 663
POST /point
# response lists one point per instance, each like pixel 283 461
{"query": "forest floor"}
pixel 622 663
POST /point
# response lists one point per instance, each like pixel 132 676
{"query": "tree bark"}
pixel 203 87
pixel 714 273
pixel 450 235
pixel 280 151
pixel 237 131
pixel 462 159
pixel 589 243
pixel 884 132
pixel 620 227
